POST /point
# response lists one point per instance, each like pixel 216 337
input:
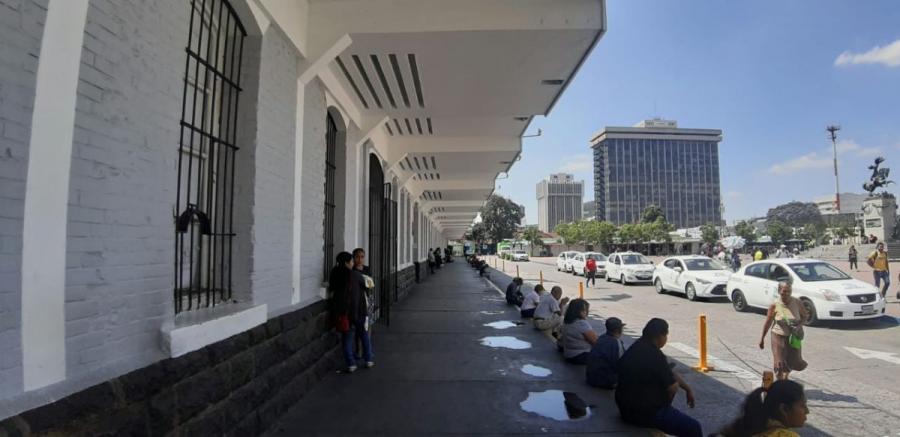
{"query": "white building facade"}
pixel 559 200
pixel 177 177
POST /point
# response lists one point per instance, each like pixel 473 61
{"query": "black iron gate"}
pixel 390 231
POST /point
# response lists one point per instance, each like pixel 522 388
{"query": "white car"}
pixel 580 261
pixel 826 292
pixel 693 276
pixel 564 260
pixel 629 267
pixel 519 255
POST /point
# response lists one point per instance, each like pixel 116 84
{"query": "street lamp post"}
pixel 837 188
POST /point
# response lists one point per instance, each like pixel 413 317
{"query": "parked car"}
pixel 826 292
pixel 564 260
pixel 629 267
pixel 580 260
pixel 519 255
pixel 693 276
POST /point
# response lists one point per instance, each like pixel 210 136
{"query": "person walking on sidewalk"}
pixel 771 412
pixel 881 269
pixel 591 266
pixel 852 254
pixel 548 314
pixel 647 386
pixel 785 317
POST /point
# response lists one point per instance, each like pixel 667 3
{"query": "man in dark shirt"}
pixel 601 363
pixel 647 386
pixel 512 291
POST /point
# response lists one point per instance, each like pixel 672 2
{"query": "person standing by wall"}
pixel 785 317
pixel 348 308
pixel 881 269
pixel 852 254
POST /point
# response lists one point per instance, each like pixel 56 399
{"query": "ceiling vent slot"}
pixel 438 176
pixel 403 167
pixel 425 163
pixel 416 160
pixel 399 129
pixel 430 130
pixel 440 196
pixel 388 127
pixel 414 68
pixel 419 176
pixel 383 80
pixel 408 126
pixel 365 77
pixel 433 162
pixel 419 126
pixel 395 65
pixel 352 82
pixel 408 164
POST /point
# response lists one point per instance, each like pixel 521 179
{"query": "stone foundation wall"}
pixel 238 386
pixel 406 280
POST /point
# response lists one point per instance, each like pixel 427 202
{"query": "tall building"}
pixel 589 210
pixel 559 200
pixel 655 162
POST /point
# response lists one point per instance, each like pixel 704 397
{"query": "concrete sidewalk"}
pixel 434 376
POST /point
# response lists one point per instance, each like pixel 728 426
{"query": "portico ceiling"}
pixel 451 85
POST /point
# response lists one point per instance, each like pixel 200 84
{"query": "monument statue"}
pixel 878 178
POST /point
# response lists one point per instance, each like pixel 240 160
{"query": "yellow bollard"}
pixel 517 271
pixel 703 366
pixel 542 277
pixel 581 290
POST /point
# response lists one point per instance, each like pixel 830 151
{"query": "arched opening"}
pixel 335 181
pixel 382 237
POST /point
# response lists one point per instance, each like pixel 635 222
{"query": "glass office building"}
pixel 655 162
pixel 559 201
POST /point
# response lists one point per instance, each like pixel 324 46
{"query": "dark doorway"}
pixel 382 249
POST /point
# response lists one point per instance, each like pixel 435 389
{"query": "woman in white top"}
pixel 578 337
pixel 532 299
pixel 785 318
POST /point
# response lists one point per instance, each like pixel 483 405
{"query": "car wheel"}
pixel 690 292
pixel 738 301
pixel 622 280
pixel 811 310
pixel 659 286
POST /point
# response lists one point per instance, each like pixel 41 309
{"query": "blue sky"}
pixel 771 74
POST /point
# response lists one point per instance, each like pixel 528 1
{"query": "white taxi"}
pixel 826 292
pixel 629 267
pixel 693 276
pixel 580 261
pixel 564 260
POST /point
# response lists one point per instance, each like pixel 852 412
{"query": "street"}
pixel 851 381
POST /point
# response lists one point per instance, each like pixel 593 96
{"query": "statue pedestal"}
pixel 879 217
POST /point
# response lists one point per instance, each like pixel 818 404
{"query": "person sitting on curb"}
pixel 647 386
pixel 513 292
pixel 548 314
pixel 601 362
pixel 771 412
pixel 531 301
pixel 577 335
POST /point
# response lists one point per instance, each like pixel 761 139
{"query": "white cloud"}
pixel 577 164
pixel 850 146
pixel 888 55
pixel 805 162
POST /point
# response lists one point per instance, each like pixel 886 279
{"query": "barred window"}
pixel 204 225
pixel 331 134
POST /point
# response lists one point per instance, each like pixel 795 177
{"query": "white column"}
pixel 47 195
pixel 298 193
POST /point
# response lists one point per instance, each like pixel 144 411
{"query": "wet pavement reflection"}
pixel 557 405
pixel 536 370
pixel 505 342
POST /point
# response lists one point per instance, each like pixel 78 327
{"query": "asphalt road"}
pixel 850 392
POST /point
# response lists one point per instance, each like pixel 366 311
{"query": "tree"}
pixel 746 231
pixel 478 233
pixel 533 236
pixel 709 233
pixel 599 233
pixel 779 231
pixel 814 232
pixel 564 230
pixel 796 214
pixel 652 213
pixel 628 233
pixel 501 216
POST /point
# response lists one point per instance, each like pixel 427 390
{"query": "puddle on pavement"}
pixel 505 342
pixel 552 404
pixel 536 370
pixel 503 324
pixel 491 313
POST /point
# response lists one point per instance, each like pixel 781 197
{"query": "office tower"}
pixel 559 200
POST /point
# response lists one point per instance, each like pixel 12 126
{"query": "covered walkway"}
pixel 434 375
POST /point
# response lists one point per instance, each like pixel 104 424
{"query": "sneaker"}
pixel 351 369
pixel 370 364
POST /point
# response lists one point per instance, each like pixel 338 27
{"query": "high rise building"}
pixel 655 162
pixel 589 210
pixel 559 200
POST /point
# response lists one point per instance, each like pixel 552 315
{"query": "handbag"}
pixel 795 329
pixel 342 324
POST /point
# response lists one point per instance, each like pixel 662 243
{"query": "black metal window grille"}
pixel 391 248
pixel 331 133
pixel 204 205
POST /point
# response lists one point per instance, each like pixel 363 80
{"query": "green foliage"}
pixel 564 230
pixel 746 231
pixel 709 233
pixel 500 217
pixel 478 233
pixel 779 231
pixel 796 214
pixel 652 214
pixel 533 236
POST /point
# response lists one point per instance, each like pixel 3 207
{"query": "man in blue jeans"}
pixel 647 386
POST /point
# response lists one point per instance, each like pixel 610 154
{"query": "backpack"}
pixel 591 264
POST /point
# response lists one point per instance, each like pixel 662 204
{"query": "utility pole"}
pixel 837 187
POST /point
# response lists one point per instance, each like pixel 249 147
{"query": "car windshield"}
pixel 634 259
pixel 818 271
pixel 598 257
pixel 704 264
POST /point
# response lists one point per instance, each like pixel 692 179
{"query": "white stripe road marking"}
pixel 718 364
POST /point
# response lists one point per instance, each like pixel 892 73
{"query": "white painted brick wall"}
pixel 311 259
pixel 21 29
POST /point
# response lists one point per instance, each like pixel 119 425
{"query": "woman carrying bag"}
pixel 348 309
pixel 785 317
